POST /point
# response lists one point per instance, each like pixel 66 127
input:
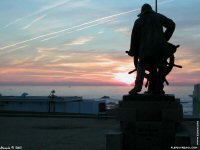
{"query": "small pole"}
pixel 156 6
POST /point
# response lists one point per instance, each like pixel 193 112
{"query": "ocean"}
pixel 91 92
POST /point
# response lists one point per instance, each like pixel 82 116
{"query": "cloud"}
pixel 124 30
pixel 72 67
pixel 100 32
pixel 40 57
pixel 13 50
pixel 79 41
pixel 46 49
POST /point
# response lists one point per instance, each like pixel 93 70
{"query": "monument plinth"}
pixel 148 122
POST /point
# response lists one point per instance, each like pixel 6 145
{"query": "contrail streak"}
pixel 13 22
pixel 50 38
pixel 79 29
pixel 94 25
pixel 103 18
pixel 45 9
pixel 34 21
pixel 74 27
pixel 67 29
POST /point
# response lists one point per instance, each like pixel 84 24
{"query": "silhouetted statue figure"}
pixel 150 48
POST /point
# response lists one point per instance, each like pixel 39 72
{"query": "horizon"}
pixel 90 84
pixel 83 42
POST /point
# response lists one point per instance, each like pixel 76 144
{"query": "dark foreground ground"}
pixel 32 133
pixel 50 133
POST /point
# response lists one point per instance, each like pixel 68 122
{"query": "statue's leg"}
pixel 139 78
pixel 161 78
pixel 152 79
pixel 140 74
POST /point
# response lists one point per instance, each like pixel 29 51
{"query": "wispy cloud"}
pixel 39 58
pixel 34 21
pixel 13 50
pixel 124 30
pixel 42 49
pixel 79 41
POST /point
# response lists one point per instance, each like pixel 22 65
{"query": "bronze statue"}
pixel 151 50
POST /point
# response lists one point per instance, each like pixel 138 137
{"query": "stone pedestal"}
pixel 149 122
pixel 196 100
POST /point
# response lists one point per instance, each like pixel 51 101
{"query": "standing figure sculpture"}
pixel 150 48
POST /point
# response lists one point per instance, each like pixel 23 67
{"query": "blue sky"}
pixel 83 41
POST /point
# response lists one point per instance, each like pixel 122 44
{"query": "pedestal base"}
pixel 149 122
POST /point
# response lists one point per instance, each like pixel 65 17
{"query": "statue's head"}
pixel 146 8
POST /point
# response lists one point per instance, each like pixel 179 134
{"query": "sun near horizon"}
pixel 125 78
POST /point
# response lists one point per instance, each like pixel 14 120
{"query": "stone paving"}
pixel 50 133
pixel 33 133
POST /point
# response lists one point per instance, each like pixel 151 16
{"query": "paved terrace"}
pixel 63 133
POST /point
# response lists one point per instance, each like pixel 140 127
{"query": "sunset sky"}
pixel 83 42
